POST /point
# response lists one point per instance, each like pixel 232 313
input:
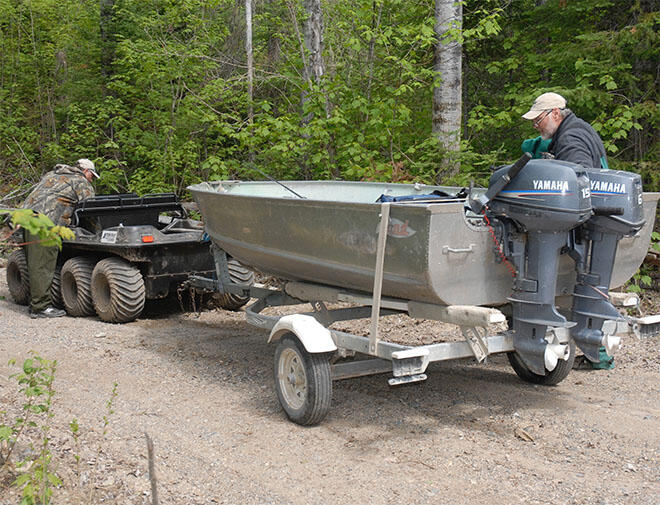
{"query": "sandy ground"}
pixel 202 388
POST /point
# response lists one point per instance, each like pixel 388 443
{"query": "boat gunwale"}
pixel 439 206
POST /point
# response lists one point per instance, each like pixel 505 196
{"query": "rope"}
pixel 606 296
pixel 491 231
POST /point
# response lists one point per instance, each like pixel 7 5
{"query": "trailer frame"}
pixel 308 350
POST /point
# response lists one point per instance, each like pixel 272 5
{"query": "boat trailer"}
pixel 309 353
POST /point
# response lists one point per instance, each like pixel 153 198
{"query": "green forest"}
pixel 160 95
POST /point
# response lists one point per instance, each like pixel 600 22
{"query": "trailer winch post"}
pixel 378 276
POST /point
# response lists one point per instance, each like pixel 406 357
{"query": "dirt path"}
pixel 202 388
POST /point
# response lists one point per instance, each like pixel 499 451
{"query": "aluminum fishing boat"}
pixel 326 232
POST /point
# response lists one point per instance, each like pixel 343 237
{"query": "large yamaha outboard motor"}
pixel 538 206
pixel 616 198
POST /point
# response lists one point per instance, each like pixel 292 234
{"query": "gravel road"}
pixel 201 387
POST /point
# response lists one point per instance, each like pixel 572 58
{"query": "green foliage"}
pixel 655 241
pixel 597 53
pixel 643 279
pixel 37 484
pixel 640 281
pixel 37 478
pixel 40 225
pixel 156 91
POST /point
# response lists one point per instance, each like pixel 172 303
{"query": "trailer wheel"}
pixel 240 275
pixel 18 278
pixel 553 378
pixel 56 288
pixel 117 291
pixel 75 284
pixel 302 381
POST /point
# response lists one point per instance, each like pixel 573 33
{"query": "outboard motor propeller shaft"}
pixel 616 198
pixel 533 301
pixel 544 202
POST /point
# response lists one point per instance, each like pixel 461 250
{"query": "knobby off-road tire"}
pixel 18 278
pixel 303 382
pixel 117 291
pixel 553 378
pixel 240 275
pixel 56 288
pixel 75 284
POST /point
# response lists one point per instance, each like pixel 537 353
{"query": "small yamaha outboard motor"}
pixel 616 198
pixel 537 206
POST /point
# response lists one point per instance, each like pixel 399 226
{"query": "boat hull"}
pixel 435 252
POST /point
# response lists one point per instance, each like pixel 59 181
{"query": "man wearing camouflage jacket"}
pixel 54 196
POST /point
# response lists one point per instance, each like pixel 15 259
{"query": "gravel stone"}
pixel 201 386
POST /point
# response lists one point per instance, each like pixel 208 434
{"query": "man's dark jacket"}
pixel 576 141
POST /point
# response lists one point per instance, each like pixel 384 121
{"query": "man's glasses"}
pixel 538 122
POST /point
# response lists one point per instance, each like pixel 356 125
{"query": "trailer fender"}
pixel 315 337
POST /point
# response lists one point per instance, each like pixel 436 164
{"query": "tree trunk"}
pixel 447 101
pixel 313 66
pixel 250 68
pixel 107 38
pixel 250 64
pixel 313 36
pixel 108 30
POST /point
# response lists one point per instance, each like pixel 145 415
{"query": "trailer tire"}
pixel 56 288
pixel 118 291
pixel 302 381
pixel 553 378
pixel 18 278
pixel 240 275
pixel 75 283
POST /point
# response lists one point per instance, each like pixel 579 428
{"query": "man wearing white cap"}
pixel 573 139
pixel 55 196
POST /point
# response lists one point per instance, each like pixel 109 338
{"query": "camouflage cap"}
pixel 86 164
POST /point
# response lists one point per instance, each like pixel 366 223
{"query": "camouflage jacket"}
pixel 58 192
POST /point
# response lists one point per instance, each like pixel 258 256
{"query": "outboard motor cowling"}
pixel 547 195
pixel 616 198
pixel 544 202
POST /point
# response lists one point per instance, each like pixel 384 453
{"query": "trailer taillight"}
pixel 147 238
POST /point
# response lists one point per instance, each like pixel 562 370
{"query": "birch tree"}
pixel 447 102
pixel 313 67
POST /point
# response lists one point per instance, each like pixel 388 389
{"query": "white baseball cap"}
pixel 546 101
pixel 86 164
